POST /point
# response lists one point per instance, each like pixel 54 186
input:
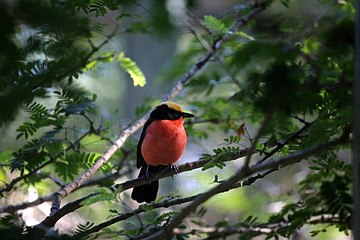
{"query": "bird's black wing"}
pixel 139 157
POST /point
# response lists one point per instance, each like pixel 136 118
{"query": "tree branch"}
pixel 13 208
pixel 72 206
pixel 256 139
pixel 63 192
pixel 298 155
pixel 228 156
pixel 256 230
pixel 281 144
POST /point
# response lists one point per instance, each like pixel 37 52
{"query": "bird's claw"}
pixel 149 175
pixel 175 169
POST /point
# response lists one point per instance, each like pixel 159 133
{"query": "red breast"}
pixel 164 142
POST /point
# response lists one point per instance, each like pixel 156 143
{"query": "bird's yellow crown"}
pixel 173 106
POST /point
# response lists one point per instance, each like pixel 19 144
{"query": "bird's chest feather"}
pixel 164 142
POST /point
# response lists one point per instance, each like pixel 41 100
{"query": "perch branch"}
pixel 72 206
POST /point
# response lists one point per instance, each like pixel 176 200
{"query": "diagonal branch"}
pixel 41 228
pixel 228 156
pixel 91 182
pixel 281 144
pixel 72 206
pixel 299 155
pixel 63 192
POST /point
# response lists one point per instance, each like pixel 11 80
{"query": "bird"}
pixel 162 142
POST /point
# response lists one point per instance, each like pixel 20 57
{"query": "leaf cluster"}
pixel 43 133
pixel 326 191
pixel 53 49
pixel 217 160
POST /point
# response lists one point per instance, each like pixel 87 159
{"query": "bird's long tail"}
pixel 147 193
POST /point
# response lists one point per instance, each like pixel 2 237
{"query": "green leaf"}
pixel 245 35
pixel 208 165
pixel 215 25
pixel 223 223
pixel 201 212
pixel 66 170
pixel 107 57
pixel 91 65
pixel 128 15
pixel 74 101
pixel 83 227
pixel 132 69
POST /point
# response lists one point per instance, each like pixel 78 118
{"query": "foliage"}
pixel 280 72
pixel 215 25
pixel 133 70
pixel 326 191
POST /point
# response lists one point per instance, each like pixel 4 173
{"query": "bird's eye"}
pixel 174 115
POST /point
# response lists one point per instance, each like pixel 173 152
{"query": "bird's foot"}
pixel 175 169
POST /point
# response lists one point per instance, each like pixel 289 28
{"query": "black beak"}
pixel 187 115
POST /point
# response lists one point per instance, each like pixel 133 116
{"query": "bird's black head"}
pixel 169 111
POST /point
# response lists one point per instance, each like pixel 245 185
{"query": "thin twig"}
pixel 299 155
pixel 281 144
pixel 255 140
pixel 14 208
